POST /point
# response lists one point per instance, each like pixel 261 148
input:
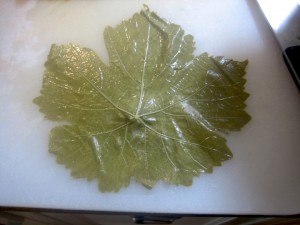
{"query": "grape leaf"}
pixel 155 112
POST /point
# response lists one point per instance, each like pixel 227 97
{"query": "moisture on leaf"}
pixel 155 112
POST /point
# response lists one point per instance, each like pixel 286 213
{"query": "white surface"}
pixel 278 11
pixel 262 178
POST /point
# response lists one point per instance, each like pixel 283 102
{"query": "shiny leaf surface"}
pixel 155 112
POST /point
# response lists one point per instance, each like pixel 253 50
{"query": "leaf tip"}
pixel 146 8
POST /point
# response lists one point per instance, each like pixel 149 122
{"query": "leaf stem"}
pixel 142 93
pixel 172 138
pixel 105 132
pixel 182 100
pixel 101 93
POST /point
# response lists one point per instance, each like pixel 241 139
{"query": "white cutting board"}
pixel 262 178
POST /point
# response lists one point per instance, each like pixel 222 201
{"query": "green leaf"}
pixel 155 112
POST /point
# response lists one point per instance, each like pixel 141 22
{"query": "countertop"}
pixel 263 176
